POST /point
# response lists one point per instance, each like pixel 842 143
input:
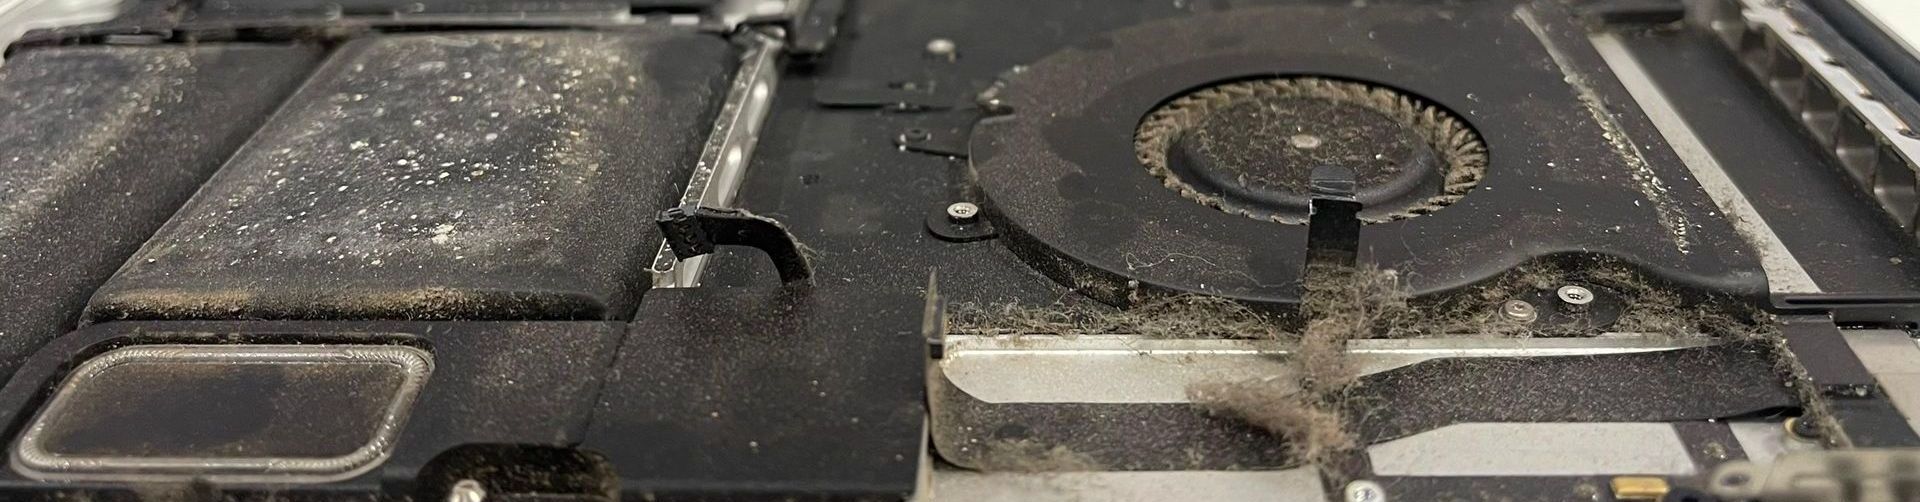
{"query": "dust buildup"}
pixel 1462 153
pixel 1027 455
pixel 1313 432
pixel 1182 316
pixel 1375 301
pixel 1648 308
pixel 1344 304
pixel 1273 143
pixel 481 175
pixel 1304 406
pixel 1815 406
pixel 47 153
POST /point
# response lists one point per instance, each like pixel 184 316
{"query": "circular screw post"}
pixel 1518 310
pixel 962 211
pixel 467 490
pixel 942 48
pixel 1575 295
pixel 1365 491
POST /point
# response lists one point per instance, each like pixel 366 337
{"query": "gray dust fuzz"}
pixel 1183 316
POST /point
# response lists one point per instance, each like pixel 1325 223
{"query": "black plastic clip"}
pixel 1333 224
pixel 816 28
pixel 697 231
pixel 903 97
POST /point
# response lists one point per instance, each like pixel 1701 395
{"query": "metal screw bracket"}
pixel 962 211
pixel 1575 295
pixel 467 490
pixel 1518 310
pixel 942 48
pixel 959 222
pixel 1365 491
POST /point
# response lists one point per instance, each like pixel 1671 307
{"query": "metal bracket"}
pixel 933 320
pixel 19 17
pixel 1879 149
pixel 1864 475
pixel 733 13
pixel 959 222
pixel 723 162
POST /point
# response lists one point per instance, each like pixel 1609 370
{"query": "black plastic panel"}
pixel 771 393
pixel 1843 239
pixel 97 146
pixel 457 176
pixel 1063 182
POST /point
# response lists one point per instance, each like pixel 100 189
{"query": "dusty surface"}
pixel 1186 316
pixel 91 167
pixel 1271 133
pixel 501 176
pixel 1309 407
pixel 1376 303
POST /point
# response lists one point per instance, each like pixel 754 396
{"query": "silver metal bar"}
pixel 1893 357
pixel 723 163
pixel 1535 449
pixel 1125 486
pixel 1854 475
pixel 1899 19
pixel 1878 148
pixel 1784 273
pixel 1133 369
pixel 733 13
pixel 1762 440
pixel 17 17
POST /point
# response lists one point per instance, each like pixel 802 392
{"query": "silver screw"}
pixel 1365 491
pixel 962 211
pixel 467 490
pixel 1575 295
pixel 1518 310
pixel 941 48
pixel 1305 141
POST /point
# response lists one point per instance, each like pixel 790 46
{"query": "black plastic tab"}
pixel 814 32
pixel 698 231
pixel 1333 230
pixel 895 97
